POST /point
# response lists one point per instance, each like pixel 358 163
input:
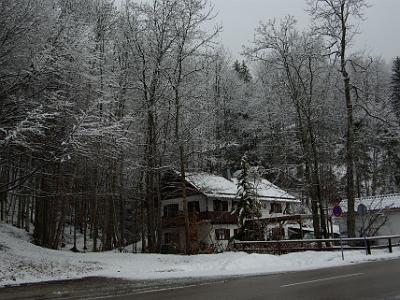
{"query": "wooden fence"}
pixel 286 246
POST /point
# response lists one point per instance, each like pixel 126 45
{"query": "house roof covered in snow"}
pixel 389 201
pixel 217 186
pixel 212 185
pixel 268 190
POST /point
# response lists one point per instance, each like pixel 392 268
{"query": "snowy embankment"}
pixel 22 262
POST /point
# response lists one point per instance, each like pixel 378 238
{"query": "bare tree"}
pixel 334 20
pixel 299 61
pixel 191 41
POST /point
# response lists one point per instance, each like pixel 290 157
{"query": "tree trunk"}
pixel 349 157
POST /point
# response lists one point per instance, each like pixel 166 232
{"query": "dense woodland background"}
pixel 97 101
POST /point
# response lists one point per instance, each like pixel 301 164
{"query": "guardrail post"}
pixel 368 247
pixel 390 246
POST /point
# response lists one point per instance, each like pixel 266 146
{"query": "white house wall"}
pixel 200 198
pixel 207 204
pixel 266 208
pixel 392 225
pixel 221 244
pixel 205 233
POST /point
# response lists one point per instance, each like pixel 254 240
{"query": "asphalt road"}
pixel 375 280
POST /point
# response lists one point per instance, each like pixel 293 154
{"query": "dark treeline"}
pixel 98 100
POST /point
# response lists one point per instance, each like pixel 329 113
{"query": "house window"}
pixel 193 206
pixel 222 234
pixel 276 208
pixel 220 205
pixel 171 210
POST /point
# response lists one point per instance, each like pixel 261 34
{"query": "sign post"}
pixel 337 212
pixel 341 245
pixel 361 210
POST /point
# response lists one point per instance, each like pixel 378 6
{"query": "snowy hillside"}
pixel 21 262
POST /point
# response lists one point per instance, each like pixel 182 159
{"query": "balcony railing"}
pixel 219 217
pixel 213 217
pixel 178 220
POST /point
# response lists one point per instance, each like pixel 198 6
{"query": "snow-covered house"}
pixel 211 200
pixel 375 215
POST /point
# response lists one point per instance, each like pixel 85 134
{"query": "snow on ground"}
pixel 22 262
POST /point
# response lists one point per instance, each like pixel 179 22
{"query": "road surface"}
pixel 375 280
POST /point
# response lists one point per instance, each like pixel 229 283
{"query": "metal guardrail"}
pixel 286 246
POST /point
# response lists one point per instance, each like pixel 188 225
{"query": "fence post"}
pixel 341 245
pixel 368 247
pixel 390 246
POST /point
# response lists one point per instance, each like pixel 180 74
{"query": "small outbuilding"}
pixel 375 215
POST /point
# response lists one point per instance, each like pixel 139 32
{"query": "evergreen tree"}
pixel 236 66
pixel 242 70
pixel 245 72
pixel 248 206
pixel 395 80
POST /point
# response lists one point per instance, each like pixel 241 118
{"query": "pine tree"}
pixel 248 208
pixel 245 72
pixel 236 66
pixel 395 80
pixel 242 70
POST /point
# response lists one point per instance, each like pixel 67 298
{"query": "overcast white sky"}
pixel 380 31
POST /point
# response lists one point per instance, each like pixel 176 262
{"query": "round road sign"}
pixel 337 211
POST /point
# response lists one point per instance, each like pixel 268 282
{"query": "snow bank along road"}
pixel 373 280
pixel 23 262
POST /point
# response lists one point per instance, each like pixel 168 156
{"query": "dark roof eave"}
pixel 264 198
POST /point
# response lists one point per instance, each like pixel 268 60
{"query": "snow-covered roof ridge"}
pixel 375 202
pixel 217 186
pixel 211 184
pixel 266 189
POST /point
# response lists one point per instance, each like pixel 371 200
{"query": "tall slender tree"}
pixel 395 82
pixel 334 19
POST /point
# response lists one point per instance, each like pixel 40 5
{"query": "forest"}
pixel 98 99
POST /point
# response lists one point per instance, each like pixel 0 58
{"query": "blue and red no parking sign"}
pixel 337 211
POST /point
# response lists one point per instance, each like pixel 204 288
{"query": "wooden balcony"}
pixel 212 217
pixel 219 217
pixel 179 220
